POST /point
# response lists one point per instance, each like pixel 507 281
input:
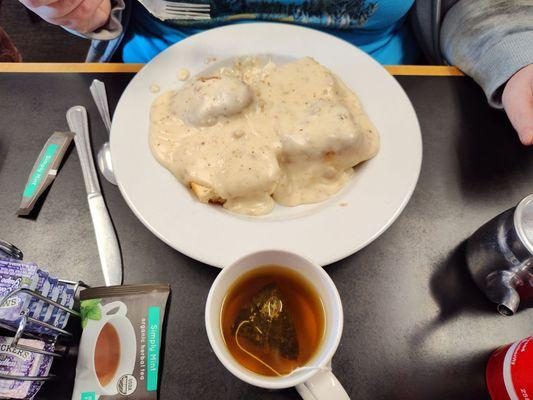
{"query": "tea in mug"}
pixel 272 320
pixel 107 354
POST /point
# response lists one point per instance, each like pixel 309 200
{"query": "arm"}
pixel 492 41
pixel 93 19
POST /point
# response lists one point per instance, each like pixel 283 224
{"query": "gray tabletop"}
pixel 416 326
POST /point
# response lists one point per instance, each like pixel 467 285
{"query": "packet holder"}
pixel 44 304
pixel 22 373
pixel 49 332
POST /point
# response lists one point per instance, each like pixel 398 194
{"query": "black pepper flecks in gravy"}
pixel 260 132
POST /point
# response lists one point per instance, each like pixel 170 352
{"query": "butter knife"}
pixel 106 238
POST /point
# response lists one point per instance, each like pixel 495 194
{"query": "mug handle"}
pixel 122 309
pixel 321 386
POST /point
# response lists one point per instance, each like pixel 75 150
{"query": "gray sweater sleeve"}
pixel 489 40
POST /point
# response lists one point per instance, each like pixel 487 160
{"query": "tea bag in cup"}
pixel 264 328
pixel 293 318
pixel 273 321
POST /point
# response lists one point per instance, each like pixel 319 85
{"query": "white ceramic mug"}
pixel 314 381
pixel 113 313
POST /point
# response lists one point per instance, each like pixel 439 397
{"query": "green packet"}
pixel 120 345
pixel 44 170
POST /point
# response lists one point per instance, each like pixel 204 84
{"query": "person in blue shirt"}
pixel 490 40
pixel 379 30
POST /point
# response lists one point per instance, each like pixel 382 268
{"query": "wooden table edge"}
pixel 427 70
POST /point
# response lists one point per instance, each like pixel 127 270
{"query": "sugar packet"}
pixel 14 275
pixel 37 305
pixel 119 349
pixel 42 309
pixel 36 311
pixel 55 316
pixel 62 316
pixel 43 287
pixel 18 362
pixel 48 312
pixel 56 295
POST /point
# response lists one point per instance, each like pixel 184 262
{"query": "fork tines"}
pixel 164 9
pixel 187 11
pixel 189 6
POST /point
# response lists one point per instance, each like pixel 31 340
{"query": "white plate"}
pixel 324 232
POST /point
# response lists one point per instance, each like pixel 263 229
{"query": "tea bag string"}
pixel 325 368
pixel 247 352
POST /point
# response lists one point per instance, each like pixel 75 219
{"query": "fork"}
pixel 164 10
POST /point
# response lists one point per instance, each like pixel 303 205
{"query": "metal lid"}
pixel 523 222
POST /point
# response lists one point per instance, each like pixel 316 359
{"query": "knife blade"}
pixel 106 238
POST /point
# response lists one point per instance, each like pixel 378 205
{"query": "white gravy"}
pixel 259 132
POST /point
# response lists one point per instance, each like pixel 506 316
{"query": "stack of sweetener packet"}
pixel 22 363
pixel 15 274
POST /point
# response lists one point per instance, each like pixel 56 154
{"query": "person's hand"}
pixel 517 99
pixel 82 16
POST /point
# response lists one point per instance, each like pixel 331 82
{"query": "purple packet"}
pixel 62 317
pixel 56 294
pixel 45 364
pixel 36 307
pixel 53 293
pixel 43 286
pixel 46 292
pixel 42 307
pixel 20 362
pixel 53 312
pixel 45 307
pixel 15 275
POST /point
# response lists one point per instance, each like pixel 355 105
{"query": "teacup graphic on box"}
pixel 107 333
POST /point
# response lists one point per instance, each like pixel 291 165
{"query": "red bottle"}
pixel 509 371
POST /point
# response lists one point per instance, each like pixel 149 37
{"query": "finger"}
pixel 88 16
pixel 53 10
pixel 102 15
pixel 517 99
pixel 99 18
pixel 521 117
pixel 32 4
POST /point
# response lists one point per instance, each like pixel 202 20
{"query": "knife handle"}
pixel 77 122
